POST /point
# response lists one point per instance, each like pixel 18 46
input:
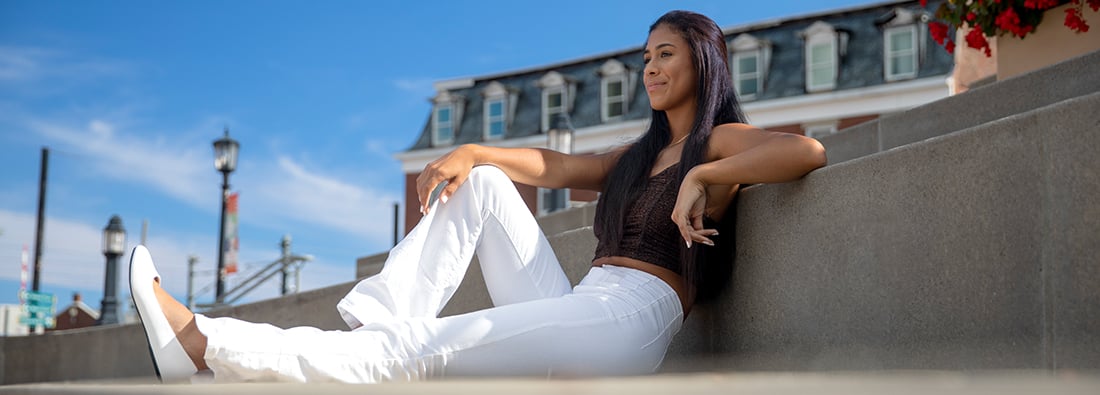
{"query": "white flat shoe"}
pixel 169 359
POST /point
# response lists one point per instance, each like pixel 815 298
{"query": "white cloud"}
pixel 33 65
pixel 72 259
pixel 72 256
pixel 285 191
pixel 291 191
pixel 420 86
pixel 179 172
pixel 20 64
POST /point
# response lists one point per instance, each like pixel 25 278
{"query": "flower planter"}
pixel 1050 43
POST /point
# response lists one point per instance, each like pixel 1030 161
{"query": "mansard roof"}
pixel 861 65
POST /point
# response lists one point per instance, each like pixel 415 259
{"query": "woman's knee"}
pixel 487 175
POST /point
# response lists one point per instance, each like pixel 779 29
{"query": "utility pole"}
pixel 285 260
pixel 395 207
pixel 191 261
pixel 41 218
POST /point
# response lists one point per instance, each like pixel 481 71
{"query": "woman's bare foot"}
pixel 183 324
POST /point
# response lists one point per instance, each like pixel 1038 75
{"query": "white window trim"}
pixel 888 51
pixel 445 99
pixel 605 100
pixel 738 76
pixel 554 82
pixel 488 119
pixel 815 86
pixel 745 45
pixel 547 116
pixel 615 71
pixel 493 92
pixel 823 33
pixel 436 141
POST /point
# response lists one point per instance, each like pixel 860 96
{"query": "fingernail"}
pixel 688 243
pixel 709 243
pixel 716 233
pixel 443 199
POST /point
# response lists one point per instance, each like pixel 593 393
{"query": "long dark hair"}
pixel 717 104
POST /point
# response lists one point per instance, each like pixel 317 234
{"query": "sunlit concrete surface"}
pixel 886 382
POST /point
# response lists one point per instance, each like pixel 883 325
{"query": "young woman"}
pixel 657 194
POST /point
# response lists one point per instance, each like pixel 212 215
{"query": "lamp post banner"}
pixel 232 244
pixel 23 274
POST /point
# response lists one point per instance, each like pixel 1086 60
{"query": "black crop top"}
pixel 649 235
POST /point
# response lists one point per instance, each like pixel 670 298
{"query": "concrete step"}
pixel 1068 79
pixel 900 383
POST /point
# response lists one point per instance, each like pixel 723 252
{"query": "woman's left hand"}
pixel 691 204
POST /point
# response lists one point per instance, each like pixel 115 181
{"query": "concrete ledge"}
pixel 1072 78
pixel 567 220
pixel 854 142
pixel 975 250
pixel 846 383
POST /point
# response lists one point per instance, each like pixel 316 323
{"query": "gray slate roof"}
pixel 861 66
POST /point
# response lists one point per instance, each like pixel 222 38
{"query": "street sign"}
pixel 41 310
pixel 37 321
pixel 38 308
pixel 38 298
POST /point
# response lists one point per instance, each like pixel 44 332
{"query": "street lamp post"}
pixel 114 241
pixel 225 161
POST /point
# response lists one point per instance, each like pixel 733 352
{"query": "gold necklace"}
pixel 679 141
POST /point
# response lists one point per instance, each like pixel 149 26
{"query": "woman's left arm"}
pixel 742 154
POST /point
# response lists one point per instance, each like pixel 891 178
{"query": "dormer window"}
pixel 443 125
pixel 749 65
pixel 616 86
pixel 446 117
pixel 901 45
pixel 823 47
pixel 901 52
pixel 557 96
pixel 499 103
pixel 494 119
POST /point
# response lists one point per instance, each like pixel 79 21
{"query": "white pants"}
pixel 617 321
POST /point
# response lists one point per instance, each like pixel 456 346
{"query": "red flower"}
pixel 1010 21
pixel 1041 4
pixel 975 39
pixel 995 17
pixel 950 47
pixel 938 30
pixel 924 3
pixel 1074 20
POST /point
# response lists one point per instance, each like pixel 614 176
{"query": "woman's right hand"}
pixel 452 168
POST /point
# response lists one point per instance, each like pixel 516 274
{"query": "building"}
pixel 811 74
pixel 9 317
pixel 76 315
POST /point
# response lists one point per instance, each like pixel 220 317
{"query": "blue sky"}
pixel 129 95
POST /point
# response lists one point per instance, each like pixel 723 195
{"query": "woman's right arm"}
pixel 531 166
